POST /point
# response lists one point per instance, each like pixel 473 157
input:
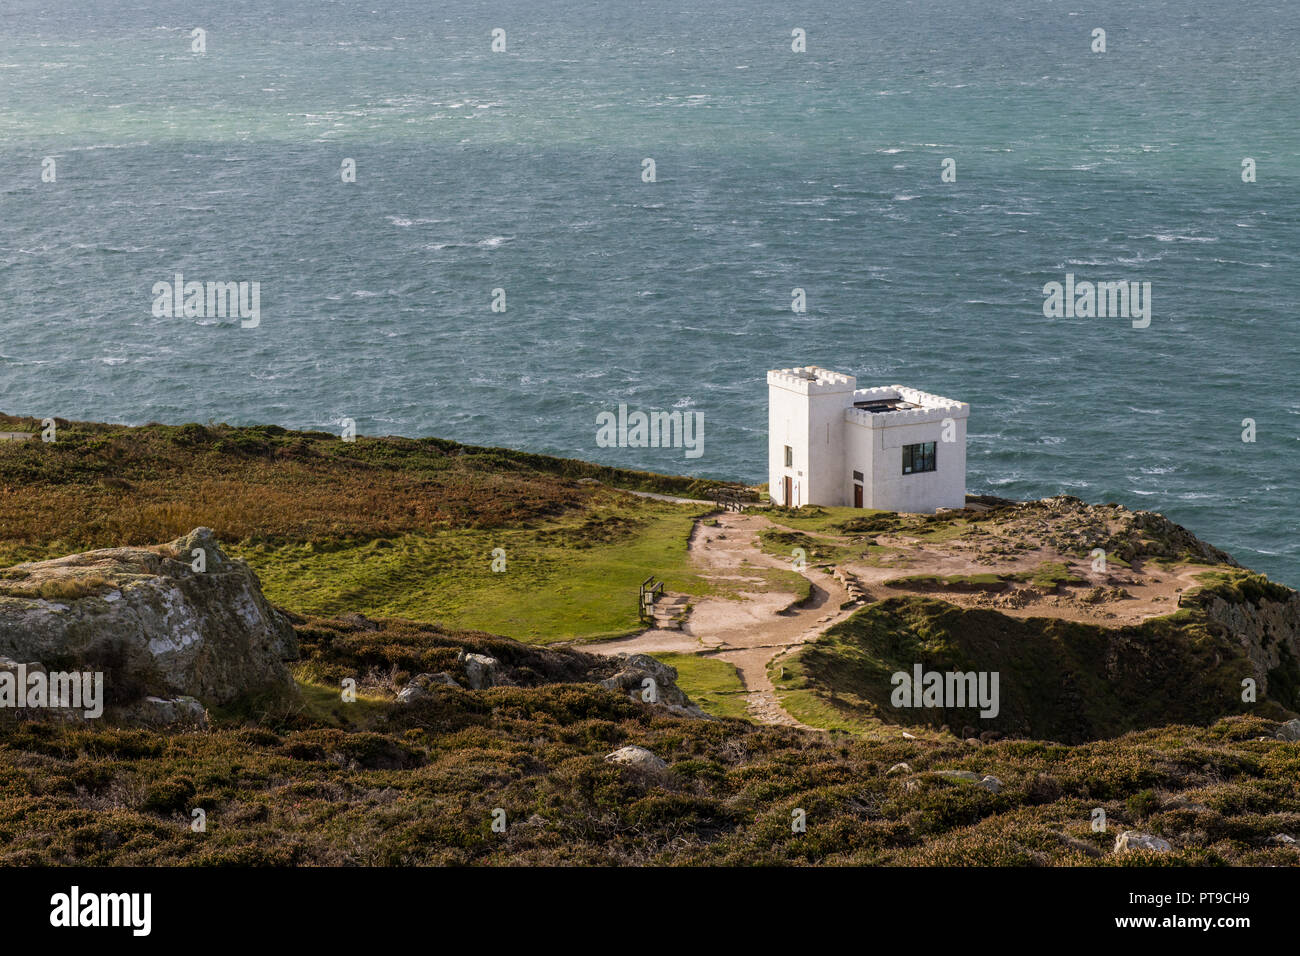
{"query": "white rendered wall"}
pixel 825 471
pixel 859 455
pixel 891 490
pixel 787 424
pixel 807 415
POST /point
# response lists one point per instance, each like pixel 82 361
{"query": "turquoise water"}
pixel 521 170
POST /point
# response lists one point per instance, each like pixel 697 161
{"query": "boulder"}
pixel 631 678
pixel 1134 840
pixel 637 757
pixel 411 693
pixel 480 670
pixel 174 621
pixel 422 686
pixel 166 712
pixel 1289 731
pixel 898 768
pixel 625 679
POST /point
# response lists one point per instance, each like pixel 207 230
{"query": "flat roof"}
pixel 878 405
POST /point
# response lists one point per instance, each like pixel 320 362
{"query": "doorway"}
pixel 786 484
pixel 857 496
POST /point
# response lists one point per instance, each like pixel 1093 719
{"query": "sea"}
pixel 493 221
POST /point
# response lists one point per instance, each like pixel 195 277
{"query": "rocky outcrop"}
pixel 1071 525
pixel 164 712
pixel 173 628
pixel 1264 618
pixel 1151 534
pixel 429 662
pixel 650 681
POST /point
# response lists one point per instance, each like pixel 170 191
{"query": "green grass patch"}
pixel 806 703
pixel 1239 586
pixel 713 684
pixel 574 578
pixel 324 705
pixel 1051 574
pixel 956 582
pixel 1046 576
pixel 782 544
pixel 778 579
pixel 819 519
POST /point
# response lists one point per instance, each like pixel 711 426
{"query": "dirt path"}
pixel 747 633
pixel 763 623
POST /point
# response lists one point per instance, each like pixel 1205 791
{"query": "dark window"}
pixel 857 476
pixel 789 457
pixel 917 458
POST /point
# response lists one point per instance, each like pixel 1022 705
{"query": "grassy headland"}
pixel 401 528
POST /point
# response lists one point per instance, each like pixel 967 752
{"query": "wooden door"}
pixel 857 496
pixel 786 484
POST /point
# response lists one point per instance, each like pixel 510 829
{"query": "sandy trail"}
pixel 750 632
pixel 763 624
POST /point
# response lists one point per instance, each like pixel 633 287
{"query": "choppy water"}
pixel 775 170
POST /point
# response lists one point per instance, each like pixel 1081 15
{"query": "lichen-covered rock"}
pixel 165 712
pixel 637 757
pixel 480 670
pixel 411 693
pixel 422 687
pixel 651 681
pixel 171 621
pixel 1289 731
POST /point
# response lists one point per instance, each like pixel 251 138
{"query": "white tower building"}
pixel 891 448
